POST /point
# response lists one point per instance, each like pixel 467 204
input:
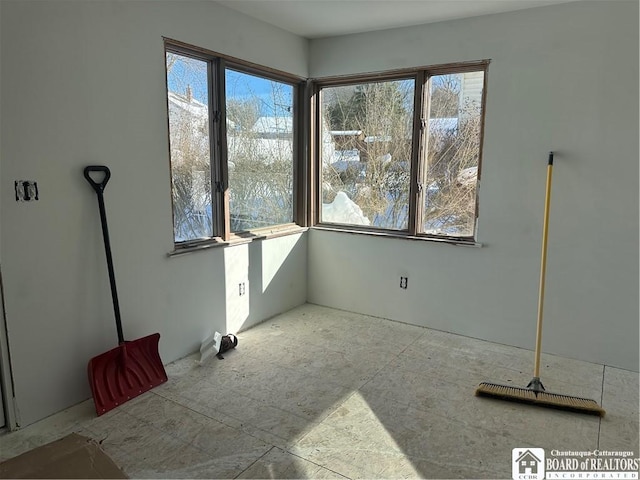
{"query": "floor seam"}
pixel 190 444
pixel 234 427
pixel 316 464
pixel 394 357
pixel 255 461
pixel 604 368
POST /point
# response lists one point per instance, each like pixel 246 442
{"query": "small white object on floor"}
pixel 211 346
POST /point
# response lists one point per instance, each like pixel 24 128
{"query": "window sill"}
pixel 401 235
pixel 238 239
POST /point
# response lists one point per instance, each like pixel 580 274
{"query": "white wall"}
pixel 561 78
pixel 83 83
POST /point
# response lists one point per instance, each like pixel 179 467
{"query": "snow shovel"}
pixel 133 367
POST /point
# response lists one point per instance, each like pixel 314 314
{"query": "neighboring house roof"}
pixel 265 149
pixel 194 107
pixel 191 107
pixel 449 123
pixel 377 138
pixel 273 125
pixel 337 133
pixel 187 125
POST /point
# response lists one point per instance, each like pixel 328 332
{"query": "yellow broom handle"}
pixel 543 266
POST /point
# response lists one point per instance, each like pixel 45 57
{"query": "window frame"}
pixel 217 64
pixel 307 163
pixel 422 77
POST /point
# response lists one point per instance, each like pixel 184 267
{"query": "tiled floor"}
pixel 321 393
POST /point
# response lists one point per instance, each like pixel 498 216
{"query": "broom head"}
pixel 541 398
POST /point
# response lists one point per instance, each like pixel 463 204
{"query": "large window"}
pixel 396 153
pixel 233 146
pixel 401 152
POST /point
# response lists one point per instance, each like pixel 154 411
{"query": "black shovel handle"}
pixel 99 189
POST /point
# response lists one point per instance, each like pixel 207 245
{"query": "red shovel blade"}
pixel 125 372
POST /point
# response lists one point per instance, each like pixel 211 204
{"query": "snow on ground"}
pixel 343 210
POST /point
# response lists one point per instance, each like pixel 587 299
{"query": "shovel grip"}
pixel 98 187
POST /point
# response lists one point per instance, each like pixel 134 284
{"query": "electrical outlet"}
pixel 242 288
pixel 404 282
pixel 26 190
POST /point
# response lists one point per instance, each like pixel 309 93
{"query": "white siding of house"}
pixel 471 91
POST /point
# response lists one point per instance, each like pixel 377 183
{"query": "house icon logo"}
pixel 528 463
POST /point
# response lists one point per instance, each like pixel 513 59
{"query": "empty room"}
pixel 319 239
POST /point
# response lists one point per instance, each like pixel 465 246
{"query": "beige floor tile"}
pixel 255 417
pixel 430 377
pixel 336 330
pixel 619 428
pixel 297 392
pixel 445 395
pixel 351 367
pixel 438 350
pixel 299 398
pixel 351 460
pixel 380 439
pixel 189 462
pixel 124 432
pixel 204 433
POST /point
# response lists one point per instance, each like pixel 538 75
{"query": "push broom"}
pixel 535 392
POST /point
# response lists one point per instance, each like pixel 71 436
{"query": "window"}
pixel 367 133
pixel 260 150
pixel 400 153
pixel 396 153
pixel 188 102
pixel 233 146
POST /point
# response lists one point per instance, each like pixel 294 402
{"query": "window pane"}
pixel 190 151
pixel 455 113
pixel 366 153
pixel 260 151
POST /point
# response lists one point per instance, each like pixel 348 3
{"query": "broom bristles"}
pixel 543 399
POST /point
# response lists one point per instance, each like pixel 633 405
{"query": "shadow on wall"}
pixel 263 279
